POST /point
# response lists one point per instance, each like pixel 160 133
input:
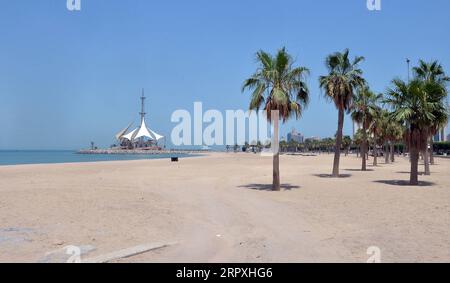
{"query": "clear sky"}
pixel 67 78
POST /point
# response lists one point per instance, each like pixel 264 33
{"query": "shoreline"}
pixel 55 163
pixel 139 152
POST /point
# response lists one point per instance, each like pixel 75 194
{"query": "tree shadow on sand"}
pixel 268 187
pixel 331 176
pixel 404 183
pixel 407 172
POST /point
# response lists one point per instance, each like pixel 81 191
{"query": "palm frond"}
pixel 278 85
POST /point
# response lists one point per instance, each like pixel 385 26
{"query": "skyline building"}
pixel 295 136
pixel 440 136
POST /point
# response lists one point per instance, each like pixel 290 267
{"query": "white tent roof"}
pixel 143 131
pixel 121 134
pixel 130 135
pixel 157 137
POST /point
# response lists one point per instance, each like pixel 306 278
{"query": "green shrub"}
pixel 441 146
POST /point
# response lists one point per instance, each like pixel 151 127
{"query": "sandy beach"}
pixel 219 208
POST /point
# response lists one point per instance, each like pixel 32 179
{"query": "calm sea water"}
pixel 12 157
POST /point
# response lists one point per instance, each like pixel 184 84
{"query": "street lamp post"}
pixel 407 63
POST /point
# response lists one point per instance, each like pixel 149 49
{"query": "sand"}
pixel 218 209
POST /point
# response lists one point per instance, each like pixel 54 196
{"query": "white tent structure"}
pixel 140 133
pixel 120 135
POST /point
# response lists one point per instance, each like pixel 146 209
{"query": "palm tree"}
pixel 284 146
pixel 376 129
pixel 358 139
pixel 383 137
pixel 365 105
pixel 413 106
pixel 328 144
pixel 392 132
pixel 433 72
pixel 344 76
pixel 436 94
pixel 280 87
pixel 346 143
pixel 396 135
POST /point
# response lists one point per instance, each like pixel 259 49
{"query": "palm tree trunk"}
pixel 276 156
pixel 431 151
pixel 364 149
pixel 363 156
pixel 392 152
pixel 375 152
pixel 369 149
pixel 337 150
pixel 426 161
pixel 414 177
pixel 276 172
pixel 386 153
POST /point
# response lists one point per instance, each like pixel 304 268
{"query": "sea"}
pixel 17 157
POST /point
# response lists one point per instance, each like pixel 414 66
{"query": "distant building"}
pixel 315 138
pixel 295 136
pixel 436 138
pixel 440 136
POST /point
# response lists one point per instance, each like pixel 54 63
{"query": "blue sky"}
pixel 67 78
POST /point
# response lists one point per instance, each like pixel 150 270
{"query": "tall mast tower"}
pixel 142 106
pixel 141 139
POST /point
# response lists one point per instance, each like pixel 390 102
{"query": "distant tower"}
pixel 407 63
pixel 137 135
pixel 142 106
pixel 142 113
